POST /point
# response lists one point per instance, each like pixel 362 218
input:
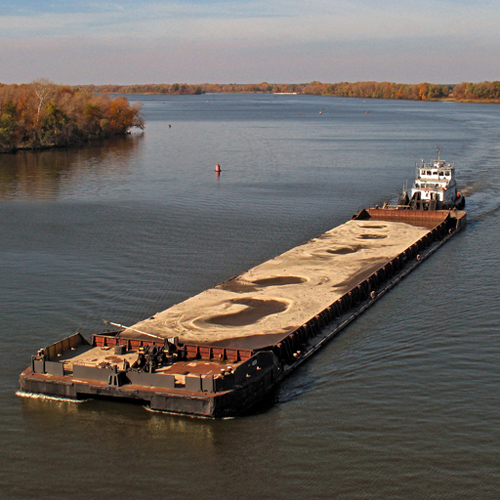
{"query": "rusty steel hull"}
pixel 214 380
pixel 230 403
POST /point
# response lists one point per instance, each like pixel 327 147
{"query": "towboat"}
pixel 223 352
pixel 435 187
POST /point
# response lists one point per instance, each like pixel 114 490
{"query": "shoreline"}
pixel 440 99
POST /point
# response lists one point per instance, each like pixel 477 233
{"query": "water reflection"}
pixel 47 175
pixel 83 417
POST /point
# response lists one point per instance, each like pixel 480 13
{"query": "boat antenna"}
pixel 438 152
pixel 106 322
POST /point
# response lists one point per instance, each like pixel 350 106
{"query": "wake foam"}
pixel 33 395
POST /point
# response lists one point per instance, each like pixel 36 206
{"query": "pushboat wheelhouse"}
pixel 435 187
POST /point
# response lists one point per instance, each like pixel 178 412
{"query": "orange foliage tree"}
pixel 43 114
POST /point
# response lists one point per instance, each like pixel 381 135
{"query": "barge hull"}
pixel 226 380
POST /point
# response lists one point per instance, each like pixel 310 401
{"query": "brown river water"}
pixel 405 403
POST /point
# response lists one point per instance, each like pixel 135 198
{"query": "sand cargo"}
pixel 223 352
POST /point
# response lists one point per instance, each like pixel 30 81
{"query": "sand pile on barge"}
pixel 269 301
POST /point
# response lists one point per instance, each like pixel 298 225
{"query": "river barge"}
pixel 224 351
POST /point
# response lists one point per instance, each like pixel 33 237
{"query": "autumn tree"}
pixel 43 89
pixel 43 114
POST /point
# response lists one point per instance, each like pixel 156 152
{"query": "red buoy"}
pixel 217 168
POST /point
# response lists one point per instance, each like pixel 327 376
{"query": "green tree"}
pixel 53 126
pixel 8 127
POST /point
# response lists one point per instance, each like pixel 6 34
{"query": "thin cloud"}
pixel 283 37
pixel 184 22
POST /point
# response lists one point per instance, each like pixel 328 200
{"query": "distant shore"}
pixel 483 92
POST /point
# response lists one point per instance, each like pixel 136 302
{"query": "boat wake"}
pixel 177 414
pixel 481 200
pixel 481 184
pixel 33 395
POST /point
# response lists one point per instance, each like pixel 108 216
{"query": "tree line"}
pixel 42 114
pixel 366 90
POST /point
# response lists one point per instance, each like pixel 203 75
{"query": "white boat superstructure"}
pixel 435 187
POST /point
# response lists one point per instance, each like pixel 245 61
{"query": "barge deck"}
pixel 221 352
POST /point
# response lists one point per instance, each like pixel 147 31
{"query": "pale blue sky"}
pixel 249 41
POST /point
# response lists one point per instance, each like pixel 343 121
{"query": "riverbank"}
pixel 462 92
pixel 43 115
